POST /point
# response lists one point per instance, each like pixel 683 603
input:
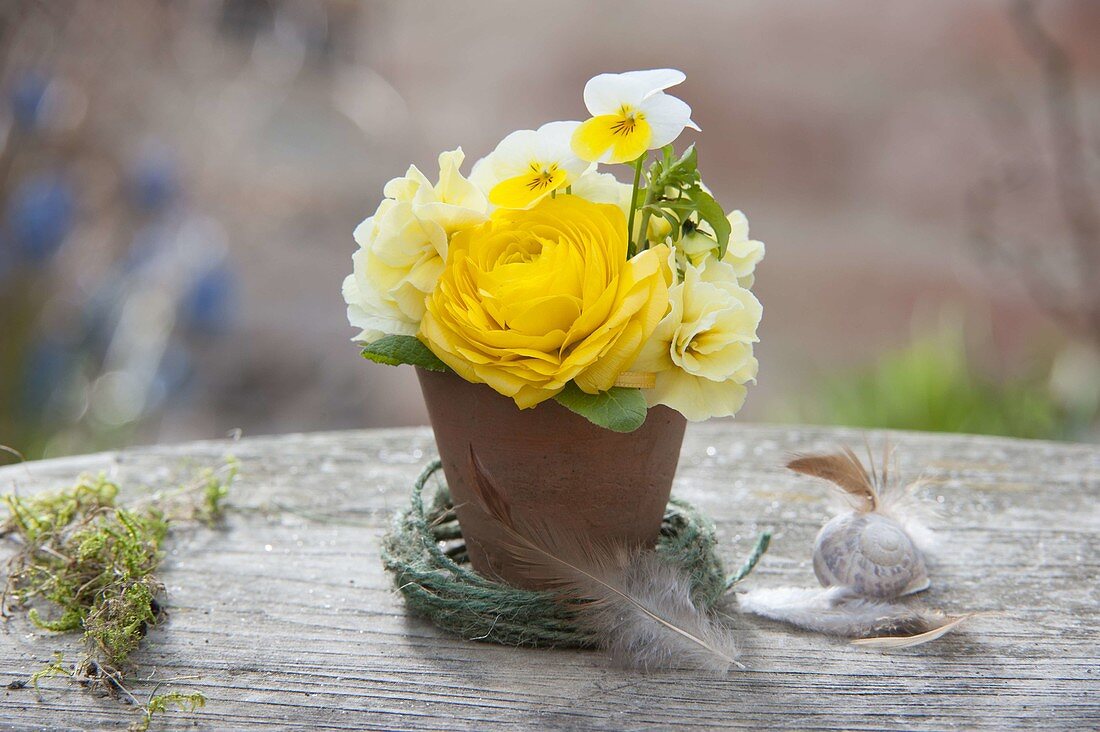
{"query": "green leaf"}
pixel 394 350
pixel 711 212
pixel 681 173
pixel 689 161
pixel 617 409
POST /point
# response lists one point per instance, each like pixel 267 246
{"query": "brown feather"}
pixel 638 604
pixel 908 641
pixel 843 470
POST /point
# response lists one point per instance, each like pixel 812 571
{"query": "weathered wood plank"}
pixel 290 623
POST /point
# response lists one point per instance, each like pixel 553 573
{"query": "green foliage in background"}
pixel 930 385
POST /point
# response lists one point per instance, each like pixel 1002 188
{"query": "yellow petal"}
pixel 534 297
pixel 611 138
pixel 629 146
pixel 647 303
pixel 695 397
pixel 527 189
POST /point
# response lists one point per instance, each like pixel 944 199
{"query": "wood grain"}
pixel 288 621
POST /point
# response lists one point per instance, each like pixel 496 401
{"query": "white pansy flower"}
pixel 702 350
pixel 403 247
pixel 630 114
pixel 528 165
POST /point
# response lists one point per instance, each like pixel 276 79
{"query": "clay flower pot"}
pixel 551 464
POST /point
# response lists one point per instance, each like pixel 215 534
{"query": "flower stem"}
pixel 644 227
pixel 631 248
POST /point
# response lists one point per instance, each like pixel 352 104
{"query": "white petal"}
pixel 553 140
pixel 667 117
pixel 602 188
pixel 514 154
pixel 655 80
pixel 553 144
pixel 606 93
pixel 557 135
pixel 482 175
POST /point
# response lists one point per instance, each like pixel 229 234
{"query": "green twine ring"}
pixel 425 553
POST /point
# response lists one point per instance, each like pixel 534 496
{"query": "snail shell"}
pixel 871 554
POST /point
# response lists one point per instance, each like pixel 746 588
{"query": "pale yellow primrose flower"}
pixel 702 350
pixel 630 114
pixel 403 247
pixel 528 165
pixel 742 253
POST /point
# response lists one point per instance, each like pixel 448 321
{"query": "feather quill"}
pixel 639 605
pixel 834 611
pixel 904 641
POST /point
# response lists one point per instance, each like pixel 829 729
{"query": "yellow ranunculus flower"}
pixel 534 298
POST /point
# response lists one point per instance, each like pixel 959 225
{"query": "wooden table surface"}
pixel 287 621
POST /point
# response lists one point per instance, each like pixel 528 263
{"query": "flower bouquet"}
pixel 564 324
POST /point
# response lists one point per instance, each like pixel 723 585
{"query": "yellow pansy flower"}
pixel 535 298
pixel 528 165
pixel 630 114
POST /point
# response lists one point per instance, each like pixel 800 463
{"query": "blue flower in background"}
pixel 209 302
pixel 154 180
pixel 40 216
pixel 149 242
pixel 26 96
pixel 6 257
pixel 46 369
pixel 174 379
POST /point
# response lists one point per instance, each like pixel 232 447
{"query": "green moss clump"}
pixel 162 702
pixel 92 564
pixel 88 565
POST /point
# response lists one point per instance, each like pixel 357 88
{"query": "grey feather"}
pixel 658 626
pixel 638 605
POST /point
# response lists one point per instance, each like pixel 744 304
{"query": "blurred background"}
pixel 179 182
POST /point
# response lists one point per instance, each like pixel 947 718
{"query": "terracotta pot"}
pixel 552 464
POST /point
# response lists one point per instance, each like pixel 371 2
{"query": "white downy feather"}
pixel 834 611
